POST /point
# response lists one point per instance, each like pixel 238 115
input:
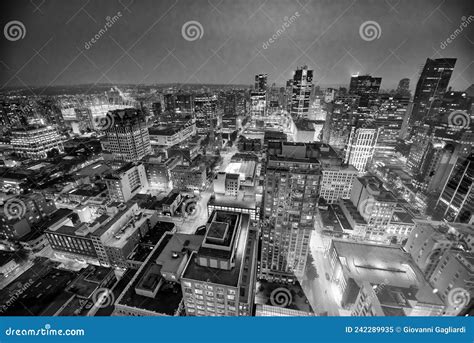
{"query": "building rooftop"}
pixel 230 277
pixel 245 169
pixel 268 294
pixel 375 187
pixel 402 217
pixel 383 264
pixel 180 246
pixel 167 299
pixel 247 202
pixel 119 237
pixel 165 130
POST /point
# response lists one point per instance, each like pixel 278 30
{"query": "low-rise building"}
pixel 399 287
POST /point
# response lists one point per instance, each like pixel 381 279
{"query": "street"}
pixel 320 291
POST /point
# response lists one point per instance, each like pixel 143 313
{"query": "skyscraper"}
pixel 126 135
pixel 261 82
pixel 218 279
pixel 290 198
pixel 361 147
pixel 404 87
pixel 456 203
pixel 258 104
pixel 302 86
pixel 364 85
pixel 431 86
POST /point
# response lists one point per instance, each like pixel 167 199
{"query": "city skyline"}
pixel 221 194
pixel 234 42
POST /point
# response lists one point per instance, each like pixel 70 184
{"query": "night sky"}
pixel 145 44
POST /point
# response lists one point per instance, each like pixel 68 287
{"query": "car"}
pixel 328 277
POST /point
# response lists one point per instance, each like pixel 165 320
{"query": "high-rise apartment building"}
pixel 337 182
pixel 456 202
pixel 375 204
pixel 290 199
pixel 219 279
pixel 126 181
pixel 126 135
pixel 302 85
pixel 258 103
pixel 36 141
pixel 261 82
pixel 364 85
pixel 431 86
pixel 361 147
